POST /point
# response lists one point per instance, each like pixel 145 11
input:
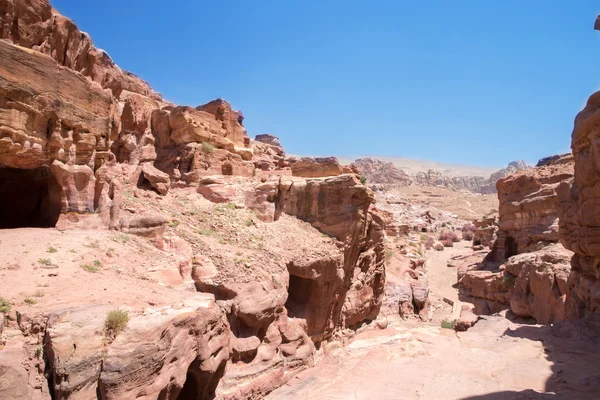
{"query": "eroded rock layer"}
pixel 528 207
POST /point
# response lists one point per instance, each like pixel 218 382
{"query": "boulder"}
pixel 158 179
pixel 316 167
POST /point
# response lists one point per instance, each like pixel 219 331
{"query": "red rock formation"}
pixel 579 221
pixel 316 167
pixel 531 284
pixel 34 24
pixel 351 286
pixel 528 208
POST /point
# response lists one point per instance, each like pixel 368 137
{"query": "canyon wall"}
pixel 77 134
pixel 579 221
pixel 526 270
pixel 528 216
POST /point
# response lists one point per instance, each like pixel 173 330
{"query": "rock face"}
pixel 579 219
pixel 67 127
pixel 379 171
pixel 540 287
pixel 34 24
pixel 316 167
pixel 81 138
pixel 528 207
pixel 178 350
pixel 531 284
pixel 338 292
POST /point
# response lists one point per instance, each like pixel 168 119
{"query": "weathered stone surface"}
pixel 49 113
pixel 316 167
pixel 36 25
pixel 485 231
pixel 157 355
pixel 216 190
pixel 158 179
pixel 531 284
pixel 466 320
pixel 528 208
pixel 540 287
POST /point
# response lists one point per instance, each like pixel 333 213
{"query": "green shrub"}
pixel 30 301
pixel 4 305
pixel 52 250
pixel 363 179
pixel 90 268
pixel 45 261
pixel 115 322
pixel 448 324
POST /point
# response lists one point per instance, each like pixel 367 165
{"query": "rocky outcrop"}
pixel 316 167
pixel 383 172
pixel 528 208
pixel 192 143
pixel 34 24
pixel 485 231
pixel 579 218
pixel 349 289
pixel 531 284
pixel 540 286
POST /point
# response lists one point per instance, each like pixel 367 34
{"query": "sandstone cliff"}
pixel 578 214
pixel 93 151
pixel 526 269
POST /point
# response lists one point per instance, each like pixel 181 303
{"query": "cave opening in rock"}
pixel 299 293
pixel 199 384
pixel 29 198
pixel 226 169
pixel 512 247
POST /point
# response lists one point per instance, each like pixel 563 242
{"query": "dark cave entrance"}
pixel 226 169
pixel 29 198
pixel 199 384
pixel 512 247
pixel 299 293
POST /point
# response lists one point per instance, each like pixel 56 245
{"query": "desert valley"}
pixel 155 251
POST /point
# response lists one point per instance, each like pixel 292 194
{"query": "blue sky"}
pixel 467 81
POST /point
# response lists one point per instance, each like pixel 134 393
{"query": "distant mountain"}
pixel 475 179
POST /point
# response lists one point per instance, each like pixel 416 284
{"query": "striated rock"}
pixel 34 24
pixel 157 356
pixel 272 141
pixel 528 208
pixel 579 218
pixel 531 284
pixel 316 167
pixel 540 287
pixel 42 121
pixel 384 172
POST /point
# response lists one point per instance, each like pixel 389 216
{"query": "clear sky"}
pixel 463 81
